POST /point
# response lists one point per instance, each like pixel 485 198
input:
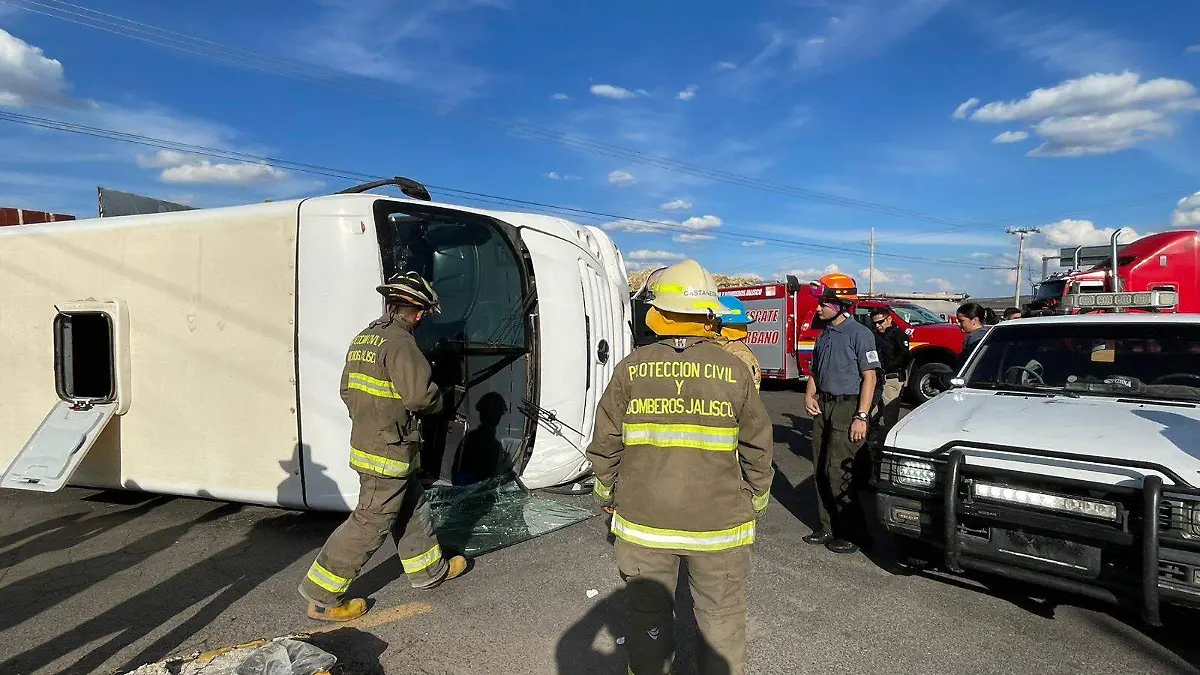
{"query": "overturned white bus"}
pixel 199 353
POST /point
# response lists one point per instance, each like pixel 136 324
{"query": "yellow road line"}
pixel 382 617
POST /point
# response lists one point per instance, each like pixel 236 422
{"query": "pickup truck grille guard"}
pixel 1177 507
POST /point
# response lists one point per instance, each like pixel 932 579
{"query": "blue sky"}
pixel 937 122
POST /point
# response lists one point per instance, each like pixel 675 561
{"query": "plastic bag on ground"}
pixel 282 656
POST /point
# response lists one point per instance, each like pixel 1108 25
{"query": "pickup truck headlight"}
pixel 1045 500
pixel 1186 517
pixel 913 472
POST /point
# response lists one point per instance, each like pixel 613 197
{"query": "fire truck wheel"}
pixel 925 382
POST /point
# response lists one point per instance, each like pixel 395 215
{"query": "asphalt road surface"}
pixel 100 582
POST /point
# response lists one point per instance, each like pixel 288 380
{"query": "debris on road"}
pixel 592 593
pixel 494 514
pixel 288 655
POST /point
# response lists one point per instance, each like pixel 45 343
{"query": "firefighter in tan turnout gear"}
pixel 682 458
pixel 385 385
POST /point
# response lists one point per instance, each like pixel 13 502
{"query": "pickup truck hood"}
pixel 1091 428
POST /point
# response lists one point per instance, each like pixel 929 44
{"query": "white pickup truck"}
pixel 1066 454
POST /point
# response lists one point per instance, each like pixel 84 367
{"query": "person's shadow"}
pixel 577 654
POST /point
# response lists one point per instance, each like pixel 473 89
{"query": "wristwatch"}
pixel 860 416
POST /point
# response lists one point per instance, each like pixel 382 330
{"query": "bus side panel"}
pixel 210 303
pixel 339 268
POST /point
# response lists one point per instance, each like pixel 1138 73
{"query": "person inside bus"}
pixel 975 320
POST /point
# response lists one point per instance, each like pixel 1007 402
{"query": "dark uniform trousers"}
pixel 385 505
pixel 836 463
pixel 717 580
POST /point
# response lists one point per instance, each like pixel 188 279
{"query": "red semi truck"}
pixel 1156 267
pixel 785 329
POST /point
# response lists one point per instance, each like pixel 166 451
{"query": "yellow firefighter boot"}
pixel 351 609
pixel 455 567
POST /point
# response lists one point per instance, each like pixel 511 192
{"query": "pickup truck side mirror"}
pixel 956 382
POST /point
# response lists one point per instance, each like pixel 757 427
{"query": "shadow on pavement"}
pixel 576 653
pixel 357 652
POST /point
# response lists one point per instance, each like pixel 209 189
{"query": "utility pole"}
pixel 871 275
pixel 1021 231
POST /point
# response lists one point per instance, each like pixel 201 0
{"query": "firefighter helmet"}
pixel 842 285
pixel 686 288
pixel 411 289
pixel 739 315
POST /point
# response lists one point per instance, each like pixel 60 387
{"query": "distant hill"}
pixel 638 278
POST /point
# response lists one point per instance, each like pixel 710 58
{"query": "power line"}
pixel 72 13
pixel 552 209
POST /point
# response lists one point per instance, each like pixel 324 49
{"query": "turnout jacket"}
pixel 682 448
pixel 739 349
pixel 385 384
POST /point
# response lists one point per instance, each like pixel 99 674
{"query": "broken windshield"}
pixel 471 265
pixel 1130 360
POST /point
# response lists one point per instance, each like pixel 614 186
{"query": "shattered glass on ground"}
pixel 494 514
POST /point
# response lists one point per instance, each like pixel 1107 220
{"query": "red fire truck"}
pixel 785 329
pixel 1163 265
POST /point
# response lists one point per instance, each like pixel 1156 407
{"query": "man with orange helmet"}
pixel 839 397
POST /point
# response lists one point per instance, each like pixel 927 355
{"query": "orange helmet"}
pixel 842 285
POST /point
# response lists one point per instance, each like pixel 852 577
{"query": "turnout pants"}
pixel 385 505
pixel 718 583
pixel 836 463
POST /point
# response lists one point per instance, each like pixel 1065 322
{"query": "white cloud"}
pixel 1194 49
pixel 1094 93
pixel 965 108
pixel 677 205
pixel 1011 137
pixel 1187 212
pixel 725 65
pixel 809 274
pixel 756 242
pixel 687 94
pixel 893 278
pixel 1096 114
pixel 1099 134
pixel 692 238
pixel 641 226
pixel 815 41
pixel 980 254
pixel 560 97
pixel 554 175
pixel 943 285
pixel 27 76
pixel 702 223
pixel 614 92
pixel 191 169
pixel 621 178
pixel 420 46
pixel 647 254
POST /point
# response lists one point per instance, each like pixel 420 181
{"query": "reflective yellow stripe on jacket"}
pixel 653 537
pixel 383 466
pixel 371 385
pixel 327 580
pixel 716 439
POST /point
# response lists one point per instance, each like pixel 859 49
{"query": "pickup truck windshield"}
pixel 471 265
pixel 1128 360
pixel 915 315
